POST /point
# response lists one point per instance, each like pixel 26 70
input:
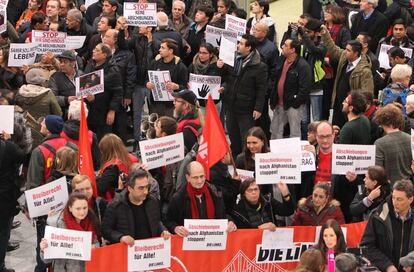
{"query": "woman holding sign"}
pixel 76 216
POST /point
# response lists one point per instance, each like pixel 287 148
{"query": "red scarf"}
pixel 72 224
pixel 334 31
pixel 370 112
pixel 193 193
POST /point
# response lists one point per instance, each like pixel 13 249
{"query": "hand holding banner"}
pixel 149 254
pixel 160 79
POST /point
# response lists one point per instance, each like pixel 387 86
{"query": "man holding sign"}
pixel 199 200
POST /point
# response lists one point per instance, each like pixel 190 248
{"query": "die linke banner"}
pixel 243 249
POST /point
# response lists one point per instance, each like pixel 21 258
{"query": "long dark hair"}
pixel 258 133
pixel 340 246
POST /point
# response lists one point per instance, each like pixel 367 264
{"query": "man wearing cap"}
pixel 187 112
pixel 62 82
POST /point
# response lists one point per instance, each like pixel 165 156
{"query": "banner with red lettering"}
pixel 240 254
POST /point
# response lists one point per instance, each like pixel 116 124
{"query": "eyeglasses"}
pixel 253 190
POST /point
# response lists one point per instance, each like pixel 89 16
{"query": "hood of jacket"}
pixel 176 59
pixel 306 203
pixel 30 94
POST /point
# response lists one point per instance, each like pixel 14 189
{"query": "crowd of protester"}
pixel 328 68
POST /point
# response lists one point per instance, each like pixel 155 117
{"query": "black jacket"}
pixel 245 93
pixel 63 87
pixel 271 206
pixel 84 30
pixel 400 9
pixel 269 55
pixel 125 59
pixel 297 84
pixel 119 221
pixel 180 207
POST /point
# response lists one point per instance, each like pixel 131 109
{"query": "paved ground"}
pixel 23 259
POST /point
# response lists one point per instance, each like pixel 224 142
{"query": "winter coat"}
pixel 269 54
pixel 128 69
pixel 10 80
pixel 63 87
pixel 38 101
pixel 390 40
pixel 84 30
pixel 400 9
pixel 361 78
pixel 245 93
pixel 306 215
pixel 119 219
pixel 183 26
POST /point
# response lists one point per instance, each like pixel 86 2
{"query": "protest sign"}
pixel 162 151
pixel 272 168
pixel 205 234
pixel 159 79
pixel 203 85
pixel 280 237
pixel 236 24
pixel 7 119
pixel 243 174
pixel 90 2
pixel 68 244
pixel 74 42
pixel 149 254
pixel 92 83
pixel 355 158
pixel 227 51
pixel 140 14
pixel 49 41
pixel 295 145
pixel 22 54
pixel 43 199
pixel 3 19
pixel 383 56
pixel 308 158
pixel 213 35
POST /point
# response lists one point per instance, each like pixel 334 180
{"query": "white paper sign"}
pixel 52 41
pixel 213 35
pixel 90 2
pixel 352 158
pixel 205 234
pixel 272 168
pixel 68 244
pixel 140 14
pixel 92 83
pixel 22 53
pixel 51 196
pixel 243 174
pixel 281 237
pixel 7 119
pixel 162 151
pixel 203 85
pixel 295 145
pixel 74 42
pixel 227 51
pixel 149 254
pixel 383 56
pixel 236 24
pixel 308 158
pixel 3 19
pixel 159 79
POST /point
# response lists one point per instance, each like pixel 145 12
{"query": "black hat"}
pixel 67 55
pixel 186 95
pixel 314 25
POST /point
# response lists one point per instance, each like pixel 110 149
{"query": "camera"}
pixel 363 263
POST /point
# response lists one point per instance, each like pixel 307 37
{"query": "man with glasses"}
pixel 134 214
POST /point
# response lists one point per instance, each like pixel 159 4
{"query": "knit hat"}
pixel 345 262
pixel 186 95
pixel 54 124
pixel 408 260
pixel 36 76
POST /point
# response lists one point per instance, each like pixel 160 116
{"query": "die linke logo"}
pixel 282 255
pixel 203 151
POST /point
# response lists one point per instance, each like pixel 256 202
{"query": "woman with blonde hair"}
pixel 66 165
pixel 115 164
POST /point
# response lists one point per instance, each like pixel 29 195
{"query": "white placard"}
pixel 21 54
pixel 412 142
pixel 140 14
pixel 91 83
pixel 243 174
pixel 383 56
pixel 236 24
pixel 355 158
pixel 90 2
pixel 227 51
pixel 3 19
pixel 205 234
pixel 213 35
pixel 308 158
pixel 51 196
pixel 203 85
pixel 68 244
pixel 74 42
pixel 7 119
pixel 159 79
pixel 281 237
pixel 52 41
pixel 162 151
pixel 274 167
pixel 149 254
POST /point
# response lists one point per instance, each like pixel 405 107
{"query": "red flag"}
pixel 214 145
pixel 85 163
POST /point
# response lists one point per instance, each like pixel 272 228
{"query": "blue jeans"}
pixel 5 228
pixel 316 107
pixel 138 101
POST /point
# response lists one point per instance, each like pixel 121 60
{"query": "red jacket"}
pixel 306 215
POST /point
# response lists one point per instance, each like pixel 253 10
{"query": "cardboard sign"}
pixel 22 54
pixel 140 14
pixel 213 35
pixel 7 119
pixel 68 244
pixel 92 83
pixel 49 41
pixel 272 168
pixel 227 51
pixel 355 158
pixel 236 24
pixel 162 151
pixel 383 56
pixel 203 85
pixel 51 196
pixel 205 234
pixel 159 79
pixel 149 254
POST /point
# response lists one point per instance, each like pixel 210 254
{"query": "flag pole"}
pixel 235 174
